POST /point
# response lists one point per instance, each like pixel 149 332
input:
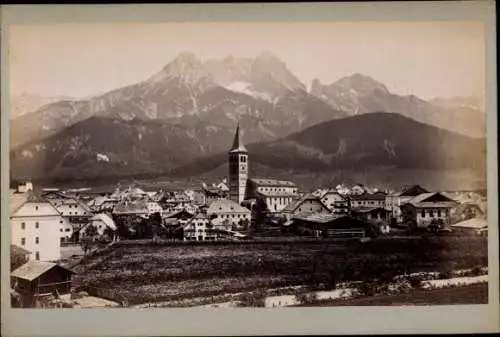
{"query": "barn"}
pixel 37 280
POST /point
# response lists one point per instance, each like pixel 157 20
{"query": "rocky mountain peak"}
pixel 361 83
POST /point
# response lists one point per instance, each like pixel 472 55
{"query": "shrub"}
pixel 415 282
pixel 306 298
pixel 445 275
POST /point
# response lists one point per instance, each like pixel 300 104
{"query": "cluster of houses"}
pixel 43 221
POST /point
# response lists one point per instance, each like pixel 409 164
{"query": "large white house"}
pixel 35 226
pixel 228 210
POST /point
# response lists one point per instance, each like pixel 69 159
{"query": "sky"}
pixel 427 59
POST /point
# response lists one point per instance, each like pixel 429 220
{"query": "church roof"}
pixel 237 142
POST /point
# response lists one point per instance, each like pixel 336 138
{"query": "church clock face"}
pixel 243 167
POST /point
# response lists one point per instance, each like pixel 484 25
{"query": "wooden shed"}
pixel 36 280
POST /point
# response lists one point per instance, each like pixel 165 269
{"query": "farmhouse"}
pixel 475 226
pixel 36 281
pixel 335 202
pixel 394 201
pixel 305 205
pixel 364 200
pixel 327 225
pixel 371 214
pixel 199 228
pixel 35 226
pixel 427 208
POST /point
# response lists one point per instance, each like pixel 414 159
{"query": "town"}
pixel 56 233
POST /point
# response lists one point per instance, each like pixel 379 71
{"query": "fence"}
pixel 315 240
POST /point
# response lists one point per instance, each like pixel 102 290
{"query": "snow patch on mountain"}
pixel 245 88
pixel 102 157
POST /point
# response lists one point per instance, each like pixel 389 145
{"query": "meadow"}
pixel 147 272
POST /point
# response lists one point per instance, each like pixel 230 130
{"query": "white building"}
pixel 35 226
pixel 154 207
pixel 100 221
pixel 335 202
pixel 277 194
pixel 199 228
pixel 228 209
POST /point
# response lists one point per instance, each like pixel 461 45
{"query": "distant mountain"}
pixel 359 94
pixel 371 142
pixel 102 147
pixel 375 147
pixel 25 103
pixel 259 92
pixel 465 103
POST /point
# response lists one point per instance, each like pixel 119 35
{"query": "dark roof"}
pixel 272 182
pixel 367 196
pixel 16 250
pixel 33 269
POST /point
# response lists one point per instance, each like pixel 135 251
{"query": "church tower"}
pixel 238 169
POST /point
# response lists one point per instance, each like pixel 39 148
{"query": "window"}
pixel 36 225
pixel 23 225
pixel 423 213
pixel 439 213
pixel 36 208
pixel 37 256
pixel 67 230
pixel 431 213
pixel 37 240
pixel 60 221
pixel 23 241
pixel 60 230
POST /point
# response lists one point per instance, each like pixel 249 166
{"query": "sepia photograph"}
pixel 244 164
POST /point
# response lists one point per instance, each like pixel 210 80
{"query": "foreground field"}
pixel 148 273
pixel 469 294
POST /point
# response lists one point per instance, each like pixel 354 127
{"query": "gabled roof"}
pixel 106 219
pixel 226 206
pixel 33 270
pixel 292 207
pixel 14 249
pixel 378 196
pixel 178 212
pixel 426 200
pixel 476 223
pixel 272 182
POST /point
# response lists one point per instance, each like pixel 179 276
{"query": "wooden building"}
pixel 36 281
pixel 327 225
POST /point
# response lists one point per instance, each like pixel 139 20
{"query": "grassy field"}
pixel 142 273
pixel 469 294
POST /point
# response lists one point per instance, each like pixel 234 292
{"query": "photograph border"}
pixel 249 321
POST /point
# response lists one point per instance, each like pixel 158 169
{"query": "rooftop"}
pixel 273 182
pixel 225 206
pixel 34 269
pixel 367 196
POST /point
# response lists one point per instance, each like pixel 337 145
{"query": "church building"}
pixel 277 194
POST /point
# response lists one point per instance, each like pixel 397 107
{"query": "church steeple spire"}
pixel 237 142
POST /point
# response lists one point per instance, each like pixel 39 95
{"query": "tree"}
pixel 109 233
pixel 17 258
pixel 260 212
pixel 89 235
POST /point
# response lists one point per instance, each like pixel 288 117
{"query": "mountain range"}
pixel 190 108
